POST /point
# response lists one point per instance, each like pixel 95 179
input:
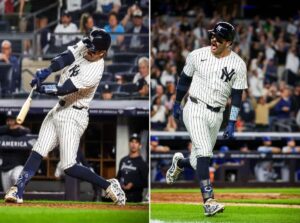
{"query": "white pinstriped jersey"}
pixel 213 78
pixel 84 74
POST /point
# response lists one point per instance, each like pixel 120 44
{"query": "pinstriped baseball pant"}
pixel 63 127
pixel 203 126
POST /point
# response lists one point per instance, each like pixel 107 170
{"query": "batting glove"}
pixel 40 76
pixel 229 131
pixel 177 110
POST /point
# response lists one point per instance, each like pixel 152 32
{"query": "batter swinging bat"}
pixel 25 108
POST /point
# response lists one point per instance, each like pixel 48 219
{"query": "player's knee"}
pixel 39 150
pixel 67 167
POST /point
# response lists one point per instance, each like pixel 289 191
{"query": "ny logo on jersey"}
pixel 227 76
pixel 74 71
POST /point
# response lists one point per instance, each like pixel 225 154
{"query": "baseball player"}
pixel 82 67
pixel 211 75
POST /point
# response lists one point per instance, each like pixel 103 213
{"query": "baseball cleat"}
pixel 11 196
pixel 115 192
pixel 174 171
pixel 211 207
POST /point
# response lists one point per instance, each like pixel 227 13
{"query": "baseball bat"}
pixel 25 108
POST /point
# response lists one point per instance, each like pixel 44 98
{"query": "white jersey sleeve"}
pixel 241 80
pixel 89 75
pixel 77 49
pixel 189 67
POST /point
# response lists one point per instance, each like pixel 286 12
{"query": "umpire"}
pixel 133 171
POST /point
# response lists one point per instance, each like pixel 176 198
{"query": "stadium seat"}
pixel 124 58
pixel 4 26
pixel 107 76
pixel 122 67
pixel 127 76
pixel 100 19
pixel 134 69
pixel 6 78
pixel 114 87
pixel 128 88
pixel 121 95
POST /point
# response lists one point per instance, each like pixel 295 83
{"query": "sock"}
pixel 84 173
pixel 203 176
pixel 31 166
pixel 184 163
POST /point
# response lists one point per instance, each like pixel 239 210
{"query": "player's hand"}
pixel 229 131
pixel 40 76
pixel 177 110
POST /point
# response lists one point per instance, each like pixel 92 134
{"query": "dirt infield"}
pixel 90 206
pixel 195 197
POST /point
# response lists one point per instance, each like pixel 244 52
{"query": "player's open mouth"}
pixel 214 45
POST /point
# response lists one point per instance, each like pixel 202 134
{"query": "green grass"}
pixel 185 213
pixel 234 190
pixel 291 201
pixel 23 214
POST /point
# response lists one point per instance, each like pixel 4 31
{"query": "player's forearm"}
pixel 183 86
pixel 62 60
pixel 236 101
pixel 52 89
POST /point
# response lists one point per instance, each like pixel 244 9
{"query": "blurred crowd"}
pixel 270 48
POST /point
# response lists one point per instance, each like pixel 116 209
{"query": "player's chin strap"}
pixel 236 100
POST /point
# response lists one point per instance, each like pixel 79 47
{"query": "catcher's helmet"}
pixel 223 30
pixel 98 40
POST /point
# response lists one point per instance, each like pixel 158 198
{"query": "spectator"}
pixel 7 58
pixel 86 24
pixel 158 114
pixel 143 88
pixel 155 147
pixel 159 93
pixel 271 72
pixel 136 41
pixel 45 34
pixel 12 161
pixel 66 26
pixel 106 94
pixel 133 171
pixel 283 108
pixel 143 73
pixel 114 27
pixel 296 99
pixel 247 111
pixel 267 146
pixel 292 67
pixel 291 146
pixel 107 6
pixel 256 80
pixel 169 74
pixel 262 110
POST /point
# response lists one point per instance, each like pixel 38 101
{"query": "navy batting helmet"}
pixel 98 40
pixel 223 30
